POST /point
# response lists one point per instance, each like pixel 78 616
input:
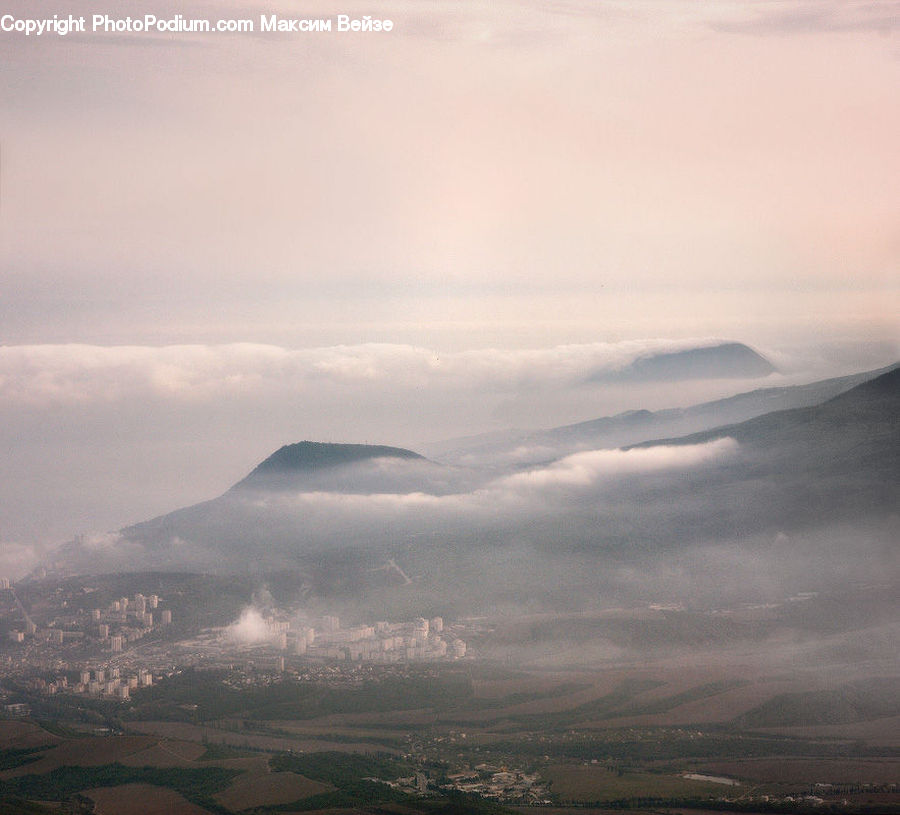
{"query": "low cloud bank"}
pixel 45 375
pixel 586 469
pixel 513 495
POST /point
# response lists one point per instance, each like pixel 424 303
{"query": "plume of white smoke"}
pixel 251 628
pixel 18 559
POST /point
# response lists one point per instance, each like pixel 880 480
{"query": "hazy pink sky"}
pixel 489 173
pixel 488 178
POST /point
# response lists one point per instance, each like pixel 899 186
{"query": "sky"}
pixel 214 244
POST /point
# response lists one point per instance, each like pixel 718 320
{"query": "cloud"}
pixel 582 470
pixel 38 375
pixel 520 455
pixel 101 542
pixel 145 429
pixel 814 18
pixel 18 559
pixel 554 485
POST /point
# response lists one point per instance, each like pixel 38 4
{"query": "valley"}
pixel 694 624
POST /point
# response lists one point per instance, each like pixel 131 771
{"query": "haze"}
pixel 215 246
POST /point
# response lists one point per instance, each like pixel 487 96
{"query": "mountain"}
pixel 635 426
pixel 832 462
pixel 274 515
pixel 293 464
pixel 790 500
pixel 869 409
pixel 729 360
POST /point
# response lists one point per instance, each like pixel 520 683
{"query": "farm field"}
pixel 884 732
pixel 23 735
pixel 86 752
pixel 214 735
pixel 141 799
pixel 807 771
pixel 582 810
pixel 258 788
pixel 711 709
pixel 589 783
pixel 623 736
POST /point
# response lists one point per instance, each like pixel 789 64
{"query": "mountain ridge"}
pixel 726 360
pixel 311 456
pixel 636 426
pixel 873 396
pixel 508 535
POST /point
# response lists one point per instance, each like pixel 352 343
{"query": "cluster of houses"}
pixel 508 786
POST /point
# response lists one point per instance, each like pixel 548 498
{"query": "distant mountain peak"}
pixel 307 457
pixel 727 360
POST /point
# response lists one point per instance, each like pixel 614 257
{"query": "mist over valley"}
pixel 490 413
pixel 800 499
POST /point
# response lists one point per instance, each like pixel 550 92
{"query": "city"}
pixel 63 645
